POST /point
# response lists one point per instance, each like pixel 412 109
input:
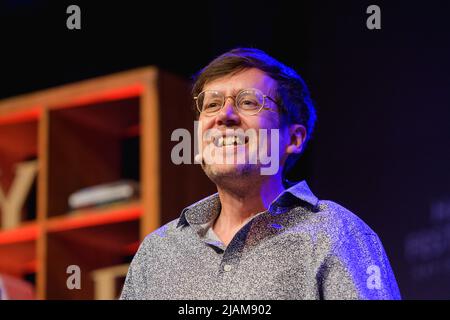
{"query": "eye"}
pixel 248 103
pixel 212 104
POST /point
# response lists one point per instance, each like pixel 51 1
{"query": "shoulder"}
pixel 354 259
pixel 336 224
pixel 160 239
pixel 336 216
pixel 163 233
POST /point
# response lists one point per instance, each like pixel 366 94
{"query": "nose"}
pixel 228 115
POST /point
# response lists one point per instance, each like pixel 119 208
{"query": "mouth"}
pixel 230 140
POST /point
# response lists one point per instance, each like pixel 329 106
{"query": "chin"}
pixel 222 171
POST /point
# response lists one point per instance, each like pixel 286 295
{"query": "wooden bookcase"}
pixel 83 134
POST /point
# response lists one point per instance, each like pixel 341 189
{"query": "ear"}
pixel 297 135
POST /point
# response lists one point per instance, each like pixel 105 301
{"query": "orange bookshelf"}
pixel 84 134
pixel 26 232
pixel 93 217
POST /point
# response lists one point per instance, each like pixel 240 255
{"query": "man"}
pixel 258 238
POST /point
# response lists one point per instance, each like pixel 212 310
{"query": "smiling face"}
pixel 225 140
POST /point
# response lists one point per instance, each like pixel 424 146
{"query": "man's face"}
pixel 229 119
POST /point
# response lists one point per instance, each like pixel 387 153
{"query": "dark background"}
pixel 381 147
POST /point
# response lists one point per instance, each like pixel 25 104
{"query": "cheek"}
pixel 274 133
pixel 202 126
pixel 260 123
pixel 269 121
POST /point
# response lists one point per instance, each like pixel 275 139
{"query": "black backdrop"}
pixel 381 147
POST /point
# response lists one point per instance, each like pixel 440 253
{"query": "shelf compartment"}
pixel 18 144
pixel 18 249
pixel 18 259
pixel 91 145
pixel 90 248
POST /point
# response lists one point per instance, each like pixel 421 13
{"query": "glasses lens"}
pixel 210 101
pixel 250 101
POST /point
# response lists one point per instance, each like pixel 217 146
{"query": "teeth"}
pixel 229 140
pixel 239 140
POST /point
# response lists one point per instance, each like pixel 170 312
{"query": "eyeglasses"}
pixel 247 101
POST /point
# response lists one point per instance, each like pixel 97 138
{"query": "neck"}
pixel 246 199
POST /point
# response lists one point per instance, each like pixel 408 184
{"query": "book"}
pixel 122 190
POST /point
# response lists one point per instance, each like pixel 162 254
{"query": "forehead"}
pixel 249 78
